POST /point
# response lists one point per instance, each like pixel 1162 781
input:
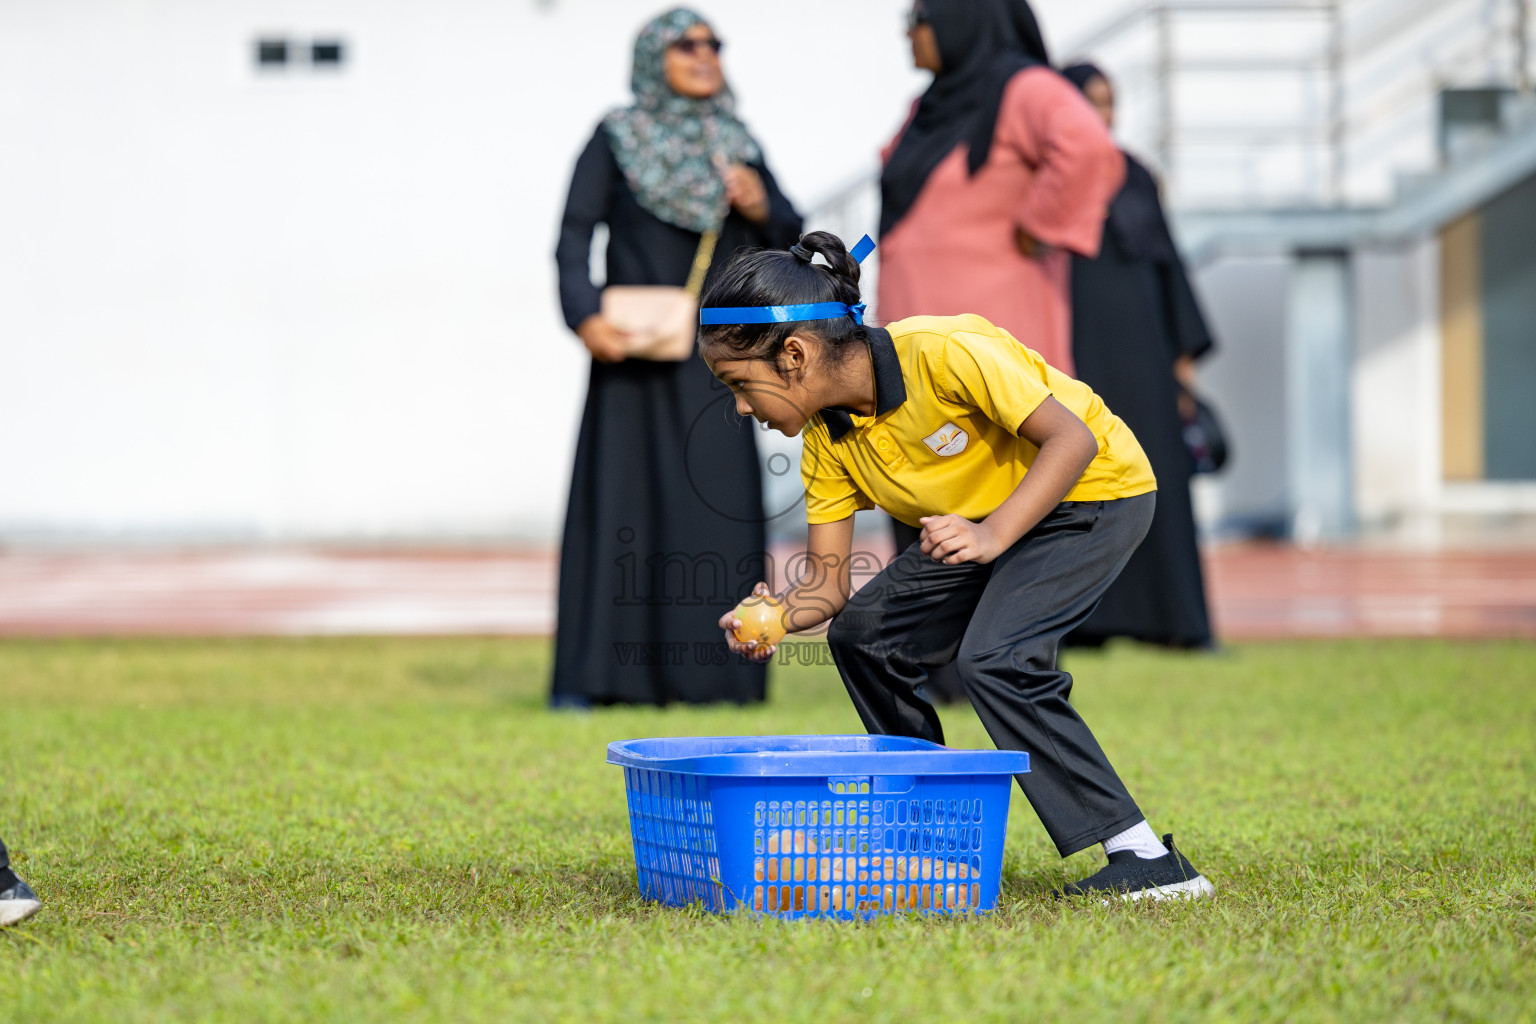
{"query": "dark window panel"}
pixel 271 52
pixel 328 52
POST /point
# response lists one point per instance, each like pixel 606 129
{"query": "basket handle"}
pixel 853 785
pixel 895 783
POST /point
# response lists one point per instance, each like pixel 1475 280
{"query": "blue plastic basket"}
pixel 818 826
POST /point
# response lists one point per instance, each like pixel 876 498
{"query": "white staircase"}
pixel 1271 104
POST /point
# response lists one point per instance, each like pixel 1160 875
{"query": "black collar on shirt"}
pixel 890 388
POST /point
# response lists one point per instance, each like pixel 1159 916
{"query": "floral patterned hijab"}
pixel 665 143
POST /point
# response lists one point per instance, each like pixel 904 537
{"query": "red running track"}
pixel 1278 591
pixel 1257 591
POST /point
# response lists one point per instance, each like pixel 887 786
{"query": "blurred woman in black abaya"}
pixel 1136 333
pixel 665 518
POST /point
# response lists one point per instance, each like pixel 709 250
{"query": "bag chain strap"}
pixel 701 261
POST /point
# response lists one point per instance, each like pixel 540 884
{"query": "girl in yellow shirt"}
pixel 1030 495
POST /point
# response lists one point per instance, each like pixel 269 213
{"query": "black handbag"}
pixel 1204 437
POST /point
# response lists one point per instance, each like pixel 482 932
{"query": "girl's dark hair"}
pixel 779 277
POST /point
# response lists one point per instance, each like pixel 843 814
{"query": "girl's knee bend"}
pixel 1010 664
pixel 970 666
pixel 972 657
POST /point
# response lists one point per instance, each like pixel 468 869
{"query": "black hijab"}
pixel 1026 30
pixel 982 45
pixel 1136 213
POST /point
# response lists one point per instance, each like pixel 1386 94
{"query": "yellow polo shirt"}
pixel 951 392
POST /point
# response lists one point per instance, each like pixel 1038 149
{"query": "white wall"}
pixel 242 305
pixel 1395 393
pixel 245 305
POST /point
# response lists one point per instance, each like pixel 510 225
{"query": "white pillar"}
pixel 1319 361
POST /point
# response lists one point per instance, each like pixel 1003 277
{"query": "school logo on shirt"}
pixel 947 440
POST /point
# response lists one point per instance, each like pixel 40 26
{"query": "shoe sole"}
pixel 17 911
pixel 1191 890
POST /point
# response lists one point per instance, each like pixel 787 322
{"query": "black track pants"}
pixel 1001 624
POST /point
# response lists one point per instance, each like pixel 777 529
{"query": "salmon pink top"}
pixel 1052 171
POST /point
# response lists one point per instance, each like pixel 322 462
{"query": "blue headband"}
pixel 792 314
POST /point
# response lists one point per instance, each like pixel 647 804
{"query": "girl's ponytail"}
pixel 829 247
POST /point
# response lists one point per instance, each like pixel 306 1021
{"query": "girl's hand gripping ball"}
pixel 756 625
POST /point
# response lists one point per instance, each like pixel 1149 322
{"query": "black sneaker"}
pixel 18 903
pixel 1130 877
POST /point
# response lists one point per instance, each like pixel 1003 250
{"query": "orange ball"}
pixel 762 619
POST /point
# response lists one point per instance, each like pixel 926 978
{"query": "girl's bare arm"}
pixel 1066 446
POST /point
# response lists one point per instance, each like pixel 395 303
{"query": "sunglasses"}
pixel 916 16
pixel 693 47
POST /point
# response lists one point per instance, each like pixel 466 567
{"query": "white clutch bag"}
pixel 661 322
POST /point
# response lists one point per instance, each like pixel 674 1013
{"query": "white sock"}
pixel 1138 837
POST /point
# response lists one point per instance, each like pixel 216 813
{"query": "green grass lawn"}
pixel 397 830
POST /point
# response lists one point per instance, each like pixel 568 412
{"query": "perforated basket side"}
pixel 860 855
pixel 672 825
pixel 935 848
pixel 830 846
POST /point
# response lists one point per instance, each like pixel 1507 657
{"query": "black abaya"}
pixel 664 529
pixel 1133 315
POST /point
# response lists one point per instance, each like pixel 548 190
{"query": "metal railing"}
pixel 1371 71
pixel 1264 104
